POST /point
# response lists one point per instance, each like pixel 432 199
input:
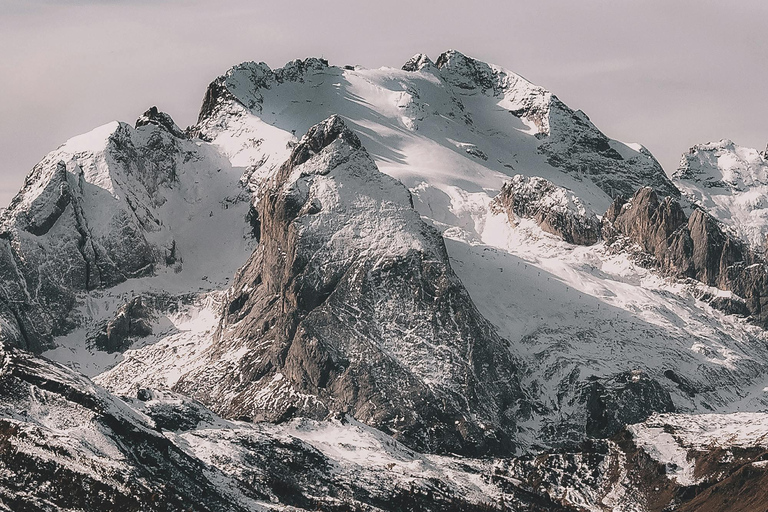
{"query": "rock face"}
pixel 669 462
pixel 555 209
pixel 349 305
pixel 697 247
pixel 623 399
pixel 132 320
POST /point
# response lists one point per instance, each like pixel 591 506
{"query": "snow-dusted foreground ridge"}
pixel 340 278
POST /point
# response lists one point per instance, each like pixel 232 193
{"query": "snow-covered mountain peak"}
pixel 320 137
pixel 452 134
pixel 89 146
pixel 465 72
pixel 731 182
pixel 114 204
pixel 155 117
pixel 418 62
pixel 520 97
pixel 723 165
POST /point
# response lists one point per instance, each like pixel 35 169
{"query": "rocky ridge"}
pixel 570 141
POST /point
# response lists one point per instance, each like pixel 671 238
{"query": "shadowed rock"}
pixel 161 119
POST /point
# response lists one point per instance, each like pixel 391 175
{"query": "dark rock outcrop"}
pixel 132 321
pixel 337 314
pixel 579 148
pixel 623 399
pixel 161 119
pixel 555 209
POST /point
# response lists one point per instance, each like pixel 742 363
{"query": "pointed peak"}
pixel 418 62
pixel 155 117
pixel 449 56
pixel 466 72
pixel 322 135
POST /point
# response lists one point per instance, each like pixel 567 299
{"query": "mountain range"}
pixel 428 288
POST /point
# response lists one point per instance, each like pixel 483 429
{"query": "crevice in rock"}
pixel 19 323
pixel 81 224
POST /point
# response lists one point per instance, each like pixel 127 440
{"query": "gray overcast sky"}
pixel 665 73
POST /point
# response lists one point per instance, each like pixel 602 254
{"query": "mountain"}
pixel 111 206
pixel 350 303
pixel 730 182
pixel 428 288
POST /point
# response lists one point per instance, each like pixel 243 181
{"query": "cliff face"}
pixel 698 247
pixel 349 305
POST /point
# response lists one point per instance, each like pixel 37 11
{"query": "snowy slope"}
pixel 731 183
pixel 593 327
pixel 449 130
